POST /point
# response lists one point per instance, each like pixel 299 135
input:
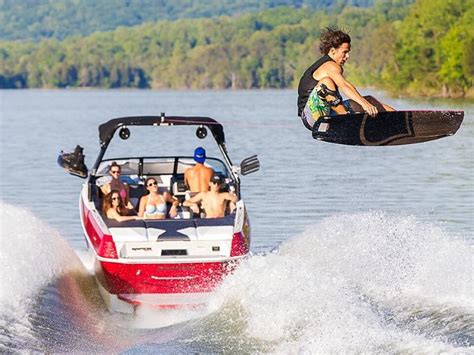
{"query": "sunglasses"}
pixel 115 171
pixel 152 184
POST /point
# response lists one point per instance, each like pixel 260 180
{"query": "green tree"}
pixel 429 48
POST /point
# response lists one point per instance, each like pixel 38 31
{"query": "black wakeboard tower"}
pixel 74 162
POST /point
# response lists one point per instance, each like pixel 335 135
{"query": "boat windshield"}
pixel 159 166
pixel 170 141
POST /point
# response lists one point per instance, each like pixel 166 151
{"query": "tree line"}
pixel 38 19
pixel 425 48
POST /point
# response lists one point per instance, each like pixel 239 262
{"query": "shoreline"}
pixel 469 96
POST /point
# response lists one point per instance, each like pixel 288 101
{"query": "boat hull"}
pixel 127 279
pixel 190 277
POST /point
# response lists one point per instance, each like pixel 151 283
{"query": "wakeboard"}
pixel 387 128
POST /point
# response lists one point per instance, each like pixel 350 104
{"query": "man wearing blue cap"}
pixel 197 178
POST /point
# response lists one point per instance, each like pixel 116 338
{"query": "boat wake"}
pixel 367 282
pixel 48 301
pixel 360 282
pixel 32 254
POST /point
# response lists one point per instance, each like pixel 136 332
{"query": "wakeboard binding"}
pixel 74 162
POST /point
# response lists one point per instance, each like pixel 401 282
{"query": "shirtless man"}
pixel 197 178
pixel 213 202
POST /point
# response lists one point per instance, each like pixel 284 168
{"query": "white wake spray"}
pixel 31 255
pixel 338 286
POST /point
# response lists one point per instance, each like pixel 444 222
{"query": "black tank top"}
pixel 307 82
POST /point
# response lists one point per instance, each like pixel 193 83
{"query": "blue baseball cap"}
pixel 200 155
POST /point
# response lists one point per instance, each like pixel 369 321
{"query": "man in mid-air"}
pixel 318 89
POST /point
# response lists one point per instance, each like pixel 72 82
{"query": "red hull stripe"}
pixel 161 278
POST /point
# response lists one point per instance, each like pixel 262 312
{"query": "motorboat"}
pixel 167 263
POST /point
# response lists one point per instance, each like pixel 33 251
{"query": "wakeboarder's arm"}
pixel 335 73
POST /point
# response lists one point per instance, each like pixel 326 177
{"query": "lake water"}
pixel 354 248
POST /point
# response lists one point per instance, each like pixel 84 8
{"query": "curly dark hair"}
pixel 332 38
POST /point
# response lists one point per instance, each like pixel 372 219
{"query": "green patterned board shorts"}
pixel 316 107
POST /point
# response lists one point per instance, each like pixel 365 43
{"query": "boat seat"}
pixel 112 223
pixel 135 192
pixel 128 231
pixel 96 194
pixel 211 222
pixel 184 213
pixel 178 186
pixel 170 229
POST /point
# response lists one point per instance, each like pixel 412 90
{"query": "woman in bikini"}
pixel 114 207
pixel 154 205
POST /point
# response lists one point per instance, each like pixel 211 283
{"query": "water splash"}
pixel 49 302
pixel 367 282
pixel 31 254
pixel 360 282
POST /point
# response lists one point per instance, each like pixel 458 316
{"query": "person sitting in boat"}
pixel 318 89
pixel 115 184
pixel 154 205
pixel 213 201
pixel 197 178
pixel 114 207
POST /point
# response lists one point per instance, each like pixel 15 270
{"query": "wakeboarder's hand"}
pixel 370 109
